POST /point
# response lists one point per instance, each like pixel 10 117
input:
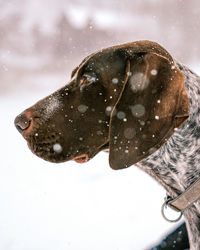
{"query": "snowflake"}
pixel 121 115
pixel 129 133
pixel 57 148
pixel 115 80
pixel 138 110
pixel 154 72
pixel 82 108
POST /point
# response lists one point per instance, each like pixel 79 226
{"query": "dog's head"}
pixel 127 98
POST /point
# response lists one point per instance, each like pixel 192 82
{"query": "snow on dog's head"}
pixel 138 82
pixel 51 105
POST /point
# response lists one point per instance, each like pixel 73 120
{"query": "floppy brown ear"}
pixel 74 72
pixel 152 103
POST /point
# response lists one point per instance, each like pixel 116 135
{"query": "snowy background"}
pixel 45 206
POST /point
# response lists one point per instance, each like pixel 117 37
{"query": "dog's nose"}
pixel 22 122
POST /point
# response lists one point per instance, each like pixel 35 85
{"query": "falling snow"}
pixel 121 115
pixel 154 72
pixel 115 80
pixel 139 82
pixel 99 132
pixel 129 133
pixel 82 108
pixel 142 123
pixel 152 150
pixel 108 108
pixel 138 110
pixel 57 148
pixel 66 177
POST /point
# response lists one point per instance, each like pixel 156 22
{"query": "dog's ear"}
pixel 152 103
pixel 74 72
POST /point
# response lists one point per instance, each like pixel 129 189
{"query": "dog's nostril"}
pixel 22 122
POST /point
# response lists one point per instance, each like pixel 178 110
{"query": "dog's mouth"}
pixel 51 148
pixel 84 157
pixel 81 158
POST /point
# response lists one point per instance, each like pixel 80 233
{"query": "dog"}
pixel 135 101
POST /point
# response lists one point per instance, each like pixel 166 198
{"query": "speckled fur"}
pixel 176 165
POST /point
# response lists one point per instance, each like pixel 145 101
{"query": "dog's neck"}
pixel 176 165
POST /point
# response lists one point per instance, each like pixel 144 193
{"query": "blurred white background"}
pixel 45 206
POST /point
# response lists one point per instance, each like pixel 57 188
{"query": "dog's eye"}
pixel 87 80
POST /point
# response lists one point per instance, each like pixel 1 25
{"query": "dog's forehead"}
pixel 102 61
pixel 122 51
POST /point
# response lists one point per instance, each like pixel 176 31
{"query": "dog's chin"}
pixel 47 155
pixel 53 152
pixel 57 156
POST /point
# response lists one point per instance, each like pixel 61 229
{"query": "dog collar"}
pixel 183 201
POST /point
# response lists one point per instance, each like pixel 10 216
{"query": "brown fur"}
pixel 130 99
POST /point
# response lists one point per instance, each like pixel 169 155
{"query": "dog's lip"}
pixel 104 147
pixel 81 158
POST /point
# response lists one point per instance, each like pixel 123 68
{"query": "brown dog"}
pixel 135 83
pixel 129 99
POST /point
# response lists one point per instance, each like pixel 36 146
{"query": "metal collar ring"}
pixel 165 205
